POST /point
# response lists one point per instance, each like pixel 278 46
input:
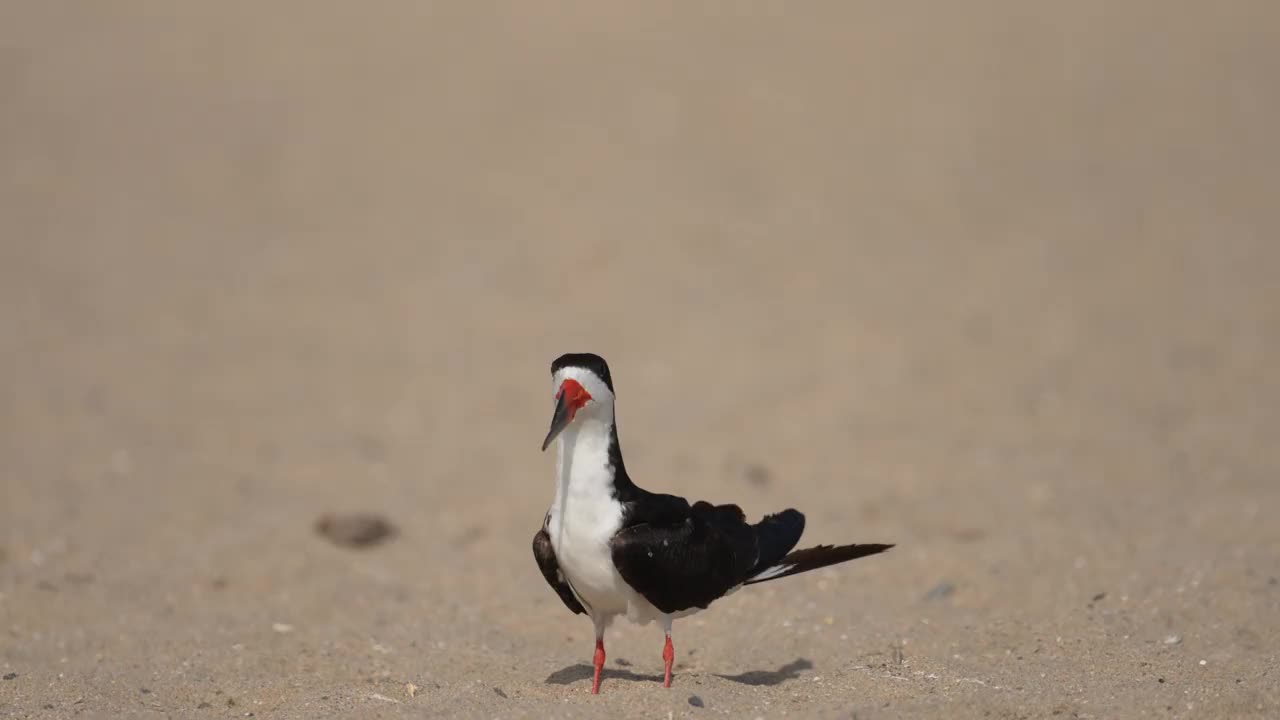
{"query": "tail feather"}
pixel 819 556
pixel 775 536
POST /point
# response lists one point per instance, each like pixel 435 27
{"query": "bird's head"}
pixel 583 390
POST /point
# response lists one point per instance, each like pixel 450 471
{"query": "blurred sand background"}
pixel 997 282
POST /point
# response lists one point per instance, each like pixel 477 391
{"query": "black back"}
pixel 680 560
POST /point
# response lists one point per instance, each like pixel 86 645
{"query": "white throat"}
pixel 584 478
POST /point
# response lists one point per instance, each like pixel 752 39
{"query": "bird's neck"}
pixel 584 473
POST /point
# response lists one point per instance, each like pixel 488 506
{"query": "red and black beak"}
pixel 571 397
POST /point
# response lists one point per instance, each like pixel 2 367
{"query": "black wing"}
pixel 550 567
pixel 683 559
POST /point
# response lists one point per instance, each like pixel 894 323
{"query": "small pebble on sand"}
pixel 756 474
pixel 940 591
pixel 355 530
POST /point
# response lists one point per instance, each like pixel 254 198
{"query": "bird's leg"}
pixel 668 652
pixel 598 660
pixel 668 655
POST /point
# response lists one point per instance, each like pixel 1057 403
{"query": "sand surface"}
pixel 998 284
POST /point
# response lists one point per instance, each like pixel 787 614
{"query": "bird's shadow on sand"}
pixel 583 671
pixel 790 671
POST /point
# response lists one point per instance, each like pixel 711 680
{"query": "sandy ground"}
pixel 996 284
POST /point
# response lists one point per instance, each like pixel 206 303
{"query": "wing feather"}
pixel 689 562
pixel 545 555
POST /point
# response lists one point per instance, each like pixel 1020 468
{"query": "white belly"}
pixel 580 536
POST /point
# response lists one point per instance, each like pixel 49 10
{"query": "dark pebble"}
pixel 695 701
pixel 1161 681
pixel 622 662
pixel 941 591
pixel 757 475
pixel 1099 597
pixel 10 676
pixel 203 706
pixel 355 529
pixel 48 706
pixel 144 691
pixel 499 693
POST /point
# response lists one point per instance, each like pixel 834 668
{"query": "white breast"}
pixel 584 516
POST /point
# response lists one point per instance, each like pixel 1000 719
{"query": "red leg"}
pixel 598 661
pixel 668 655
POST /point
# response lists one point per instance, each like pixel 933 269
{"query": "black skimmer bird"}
pixel 610 548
